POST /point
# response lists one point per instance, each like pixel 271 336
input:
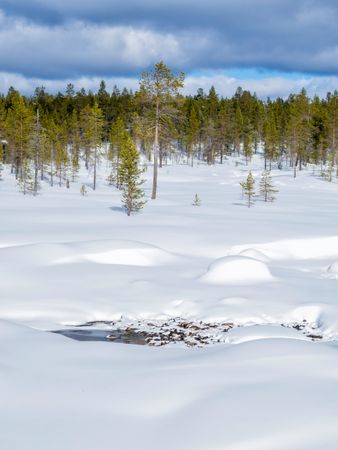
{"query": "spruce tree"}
pixel 248 187
pixel 129 176
pixel 266 187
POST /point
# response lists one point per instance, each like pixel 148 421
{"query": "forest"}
pixel 47 136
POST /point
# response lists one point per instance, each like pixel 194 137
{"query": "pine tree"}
pixel 238 129
pixel 248 187
pixel 37 144
pixel 19 123
pixel 92 128
pixel 247 147
pixel 197 201
pixel 129 176
pixel 192 133
pixel 266 187
pixel 2 129
pixel 117 135
pixel 270 138
pixel 299 129
pixel 1 159
pixel 74 138
pixel 159 89
pixel 25 178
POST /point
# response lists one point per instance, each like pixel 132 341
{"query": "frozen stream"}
pixel 190 333
pixel 119 336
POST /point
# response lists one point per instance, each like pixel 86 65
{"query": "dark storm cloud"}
pixel 59 38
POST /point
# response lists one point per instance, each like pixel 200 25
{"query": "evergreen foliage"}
pixel 159 90
pixel 266 187
pixel 248 187
pixel 83 190
pixel 129 176
pixel 25 179
pixel 197 201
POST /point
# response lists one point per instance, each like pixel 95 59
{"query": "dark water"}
pixel 122 337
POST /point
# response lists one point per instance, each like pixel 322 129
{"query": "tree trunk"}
pixel 295 167
pixel 161 156
pixel 154 191
pixel 95 163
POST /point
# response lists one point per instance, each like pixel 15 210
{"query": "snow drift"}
pixel 237 269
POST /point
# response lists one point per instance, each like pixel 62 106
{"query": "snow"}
pixel 66 259
pixel 263 394
pixel 237 270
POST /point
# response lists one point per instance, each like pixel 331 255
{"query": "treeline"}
pixel 47 136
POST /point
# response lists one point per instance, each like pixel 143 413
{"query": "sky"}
pixel 271 47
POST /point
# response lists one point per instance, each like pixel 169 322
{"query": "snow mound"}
pixel 237 270
pixel 257 332
pixel 310 313
pixel 255 254
pixel 120 252
pixel 332 270
pixel 310 248
pixel 41 254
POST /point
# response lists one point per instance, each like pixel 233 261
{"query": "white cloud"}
pixel 270 86
pixel 81 48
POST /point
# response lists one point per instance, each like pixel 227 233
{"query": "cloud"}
pixel 80 48
pixel 267 86
pixel 61 39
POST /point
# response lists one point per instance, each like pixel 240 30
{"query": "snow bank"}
pixel 40 254
pixel 310 248
pixel 123 252
pixel 237 269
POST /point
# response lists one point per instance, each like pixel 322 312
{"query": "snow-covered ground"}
pixel 67 259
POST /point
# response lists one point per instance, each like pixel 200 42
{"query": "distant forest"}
pixel 46 136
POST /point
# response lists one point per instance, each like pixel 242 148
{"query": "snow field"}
pixel 67 259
